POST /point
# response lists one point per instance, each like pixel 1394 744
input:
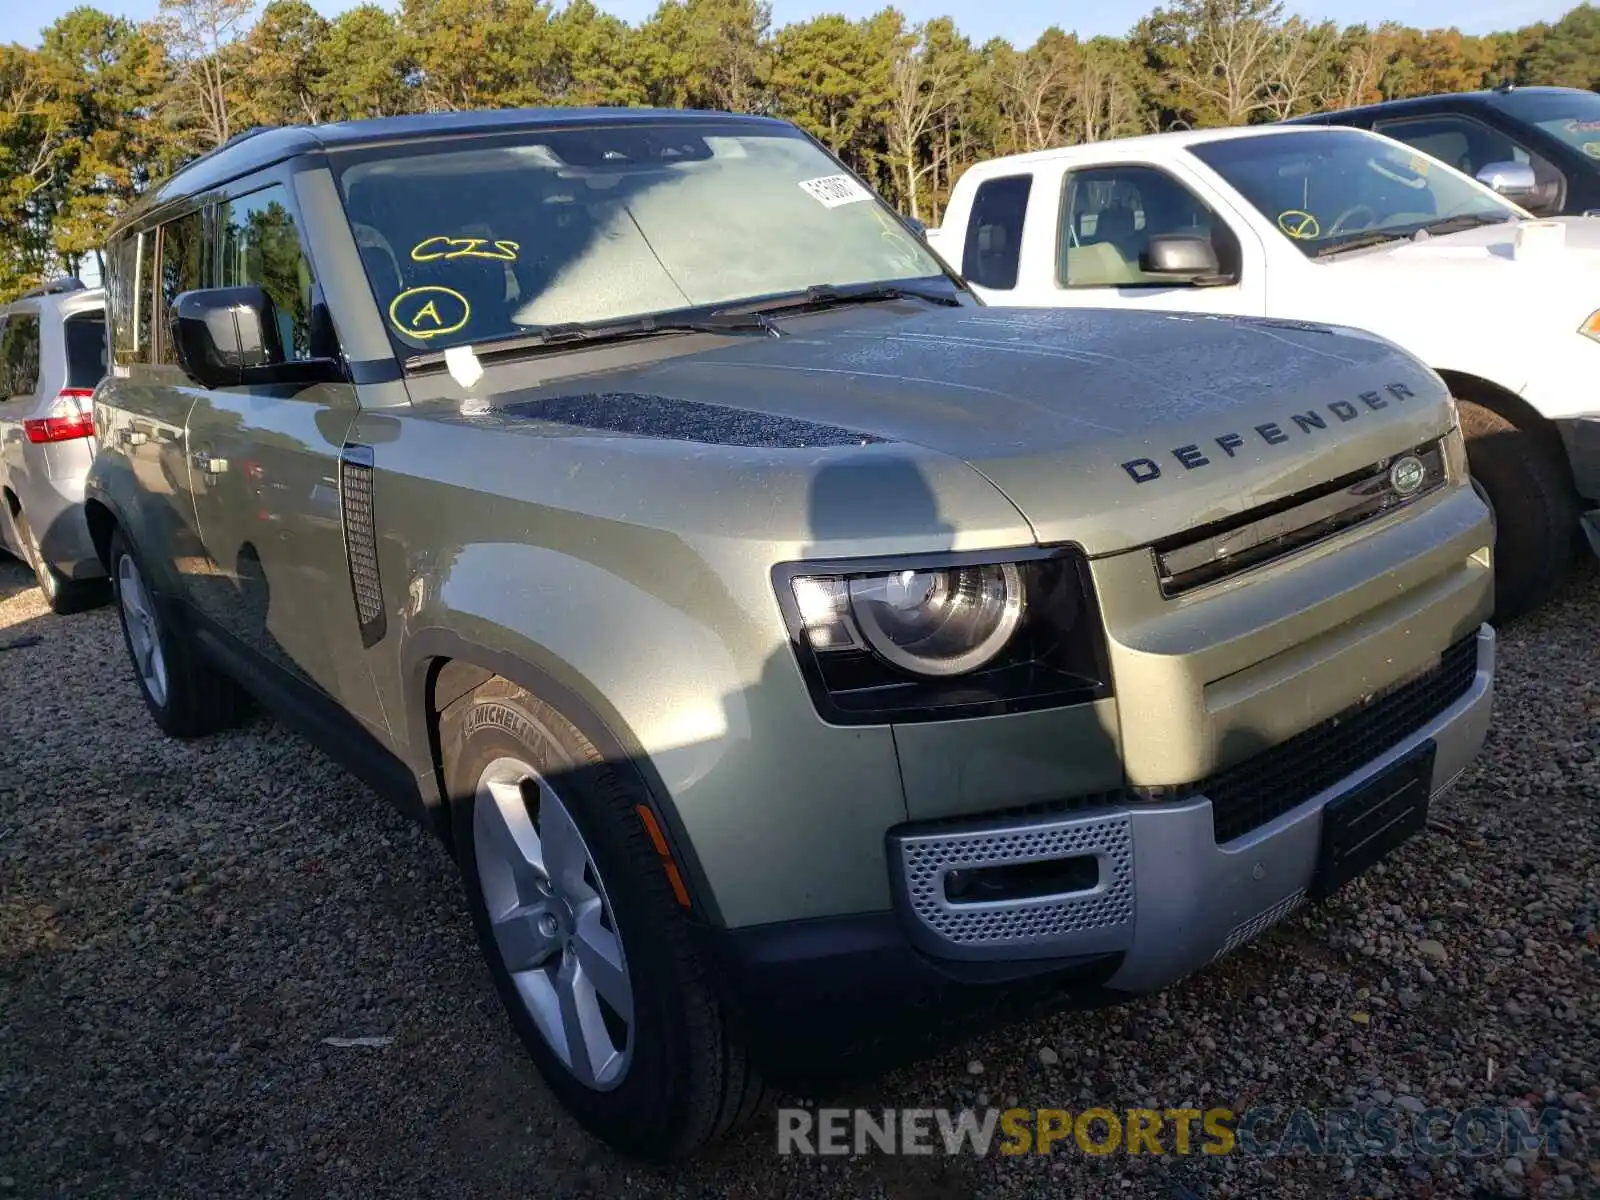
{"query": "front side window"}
pixel 1109 215
pixel 1337 189
pixel 259 245
pixel 183 256
pixel 1571 116
pixel 993 252
pixel 1469 146
pixel 128 288
pixel 473 240
pixel 19 355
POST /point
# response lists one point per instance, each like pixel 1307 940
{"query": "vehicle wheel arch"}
pixel 1464 385
pixel 102 522
pixel 446 666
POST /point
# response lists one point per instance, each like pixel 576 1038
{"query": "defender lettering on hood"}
pixel 1196 454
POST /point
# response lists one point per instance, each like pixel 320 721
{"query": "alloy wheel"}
pixel 138 618
pixel 552 922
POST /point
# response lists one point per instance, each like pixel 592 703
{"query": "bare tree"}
pixel 921 91
pixel 200 34
pixel 1299 69
pixel 1232 55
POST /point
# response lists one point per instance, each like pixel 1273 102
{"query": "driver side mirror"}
pixel 1186 257
pixel 229 337
pixel 920 228
pixel 1513 180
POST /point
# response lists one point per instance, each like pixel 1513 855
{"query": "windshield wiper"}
pixel 830 295
pixel 1358 241
pixel 539 337
pixel 1412 233
pixel 1463 221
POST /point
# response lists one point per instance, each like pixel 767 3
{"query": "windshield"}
pixel 471 241
pixel 1573 117
pixel 1328 188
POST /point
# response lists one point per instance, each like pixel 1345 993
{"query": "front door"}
pixel 1107 216
pixel 263 469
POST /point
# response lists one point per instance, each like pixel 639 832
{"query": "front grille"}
pixel 1266 534
pixel 1251 793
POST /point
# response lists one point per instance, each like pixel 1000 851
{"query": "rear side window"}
pixel 261 246
pixel 128 298
pixel 183 243
pixel 85 335
pixel 994 232
pixel 19 355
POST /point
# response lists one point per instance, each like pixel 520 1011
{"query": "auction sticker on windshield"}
pixel 833 190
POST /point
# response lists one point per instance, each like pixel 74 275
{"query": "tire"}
pixel 682 1076
pixel 63 595
pixel 1535 509
pixel 186 695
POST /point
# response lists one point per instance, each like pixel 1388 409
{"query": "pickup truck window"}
pixel 260 245
pixel 1109 214
pixel 478 240
pixel 1574 116
pixel 993 250
pixel 1469 145
pixel 1325 189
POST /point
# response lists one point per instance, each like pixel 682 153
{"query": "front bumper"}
pixel 1170 900
pixel 1169 894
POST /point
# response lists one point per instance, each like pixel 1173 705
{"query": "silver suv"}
pixel 52 354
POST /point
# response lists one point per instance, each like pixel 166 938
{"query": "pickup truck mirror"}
pixel 1186 257
pixel 1513 180
pixel 229 337
pixel 920 228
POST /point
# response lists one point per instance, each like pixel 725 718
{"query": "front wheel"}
pixel 1532 502
pixel 584 938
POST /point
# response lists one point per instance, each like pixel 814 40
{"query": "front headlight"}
pixel 947 636
pixel 1591 327
pixel 945 621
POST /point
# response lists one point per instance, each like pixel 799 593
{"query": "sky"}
pixel 1019 21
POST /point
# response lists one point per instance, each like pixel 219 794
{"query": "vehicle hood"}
pixel 1553 254
pixel 1106 429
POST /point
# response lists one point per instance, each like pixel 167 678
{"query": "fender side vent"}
pixel 361 541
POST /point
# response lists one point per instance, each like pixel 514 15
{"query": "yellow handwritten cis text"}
pixel 431 249
pixel 429 312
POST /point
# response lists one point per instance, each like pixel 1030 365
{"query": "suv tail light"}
pixel 71 416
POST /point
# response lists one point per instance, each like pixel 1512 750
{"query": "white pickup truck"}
pixel 1332 226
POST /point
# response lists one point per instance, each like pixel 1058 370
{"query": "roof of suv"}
pixel 266 145
pixel 68 300
pixel 1484 96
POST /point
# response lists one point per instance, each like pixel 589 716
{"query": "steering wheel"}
pixel 1338 224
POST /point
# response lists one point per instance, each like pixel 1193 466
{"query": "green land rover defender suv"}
pixel 778 637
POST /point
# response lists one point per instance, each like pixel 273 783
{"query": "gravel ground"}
pixel 181 925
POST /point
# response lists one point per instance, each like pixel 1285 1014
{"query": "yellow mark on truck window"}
pixel 429 312
pixel 431 249
pixel 1299 225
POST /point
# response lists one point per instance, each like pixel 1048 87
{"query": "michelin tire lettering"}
pixel 1195 455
